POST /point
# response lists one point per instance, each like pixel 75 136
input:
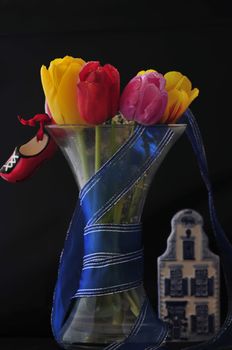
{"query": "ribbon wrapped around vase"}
pixel 98 260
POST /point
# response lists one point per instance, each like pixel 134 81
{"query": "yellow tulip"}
pixel 145 71
pixel 59 83
pixel 180 96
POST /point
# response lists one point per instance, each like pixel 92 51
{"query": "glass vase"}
pixel 94 321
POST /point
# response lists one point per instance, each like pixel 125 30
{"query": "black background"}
pixel 193 37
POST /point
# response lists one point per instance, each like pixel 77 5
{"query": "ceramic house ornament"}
pixel 189 282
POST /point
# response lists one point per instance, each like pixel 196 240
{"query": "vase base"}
pixel 82 346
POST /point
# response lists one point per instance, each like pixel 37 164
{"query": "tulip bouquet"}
pixel 102 132
pixel 87 93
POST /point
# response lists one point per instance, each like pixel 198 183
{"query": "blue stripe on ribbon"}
pixel 113 238
pixel 113 259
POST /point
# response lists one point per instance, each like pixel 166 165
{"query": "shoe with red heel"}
pixel 27 158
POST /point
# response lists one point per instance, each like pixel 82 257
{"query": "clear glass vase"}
pixel 96 321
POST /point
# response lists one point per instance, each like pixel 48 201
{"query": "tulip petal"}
pixel 114 76
pixel 57 71
pixel 129 98
pixel 150 107
pixel 155 78
pixel 47 82
pixel 180 107
pixel 67 95
pixel 88 68
pixel 58 67
pixel 185 102
pixel 50 94
pixel 142 72
pixel 194 93
pixel 173 96
pixel 176 107
pixel 93 102
pixel 184 84
pixel 172 78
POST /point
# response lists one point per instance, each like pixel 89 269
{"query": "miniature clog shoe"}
pixel 27 158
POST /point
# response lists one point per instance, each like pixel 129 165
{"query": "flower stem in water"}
pixel 97 147
pixel 80 141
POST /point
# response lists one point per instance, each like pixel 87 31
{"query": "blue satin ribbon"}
pixel 92 247
pixel 113 259
pixel 106 187
pixel 223 339
pixel 99 259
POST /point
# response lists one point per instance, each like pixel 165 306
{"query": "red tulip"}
pixel 98 92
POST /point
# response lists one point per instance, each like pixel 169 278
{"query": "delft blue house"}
pixel 189 281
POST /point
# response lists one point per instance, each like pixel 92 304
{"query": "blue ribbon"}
pixel 106 187
pixel 113 259
pixel 223 339
pixel 99 259
pixel 93 253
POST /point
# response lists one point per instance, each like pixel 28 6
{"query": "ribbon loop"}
pixel 223 339
pixel 38 118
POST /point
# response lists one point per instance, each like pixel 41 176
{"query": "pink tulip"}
pixel 144 99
